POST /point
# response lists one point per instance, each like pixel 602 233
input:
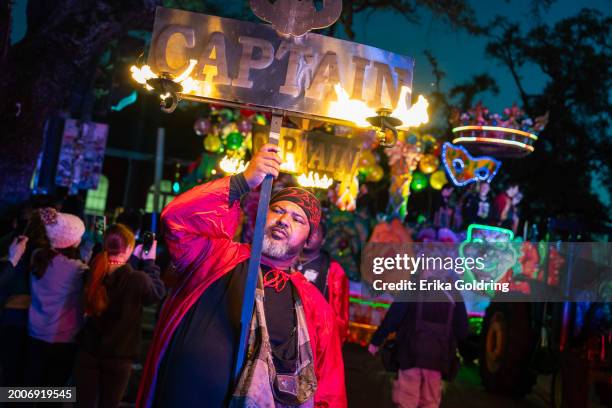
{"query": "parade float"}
pixel 326 103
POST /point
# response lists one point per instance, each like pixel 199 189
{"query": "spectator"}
pixel 114 297
pixel 8 265
pixel 15 299
pixel 7 271
pixel 328 276
pixel 55 314
pixel 507 207
pixel 132 219
pixel 478 207
pixel 427 336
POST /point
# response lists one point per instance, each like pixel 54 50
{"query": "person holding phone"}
pixel 8 265
pixel 114 298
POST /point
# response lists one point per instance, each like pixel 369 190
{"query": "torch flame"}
pixel 351 110
pixel 183 76
pixel 232 165
pixel 313 179
pixel 413 117
pixel 357 111
pixel 347 194
pixel 142 74
pixel 190 85
pixel 289 163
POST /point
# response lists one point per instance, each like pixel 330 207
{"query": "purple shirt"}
pixel 56 312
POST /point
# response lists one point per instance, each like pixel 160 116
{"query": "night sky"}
pixel 461 55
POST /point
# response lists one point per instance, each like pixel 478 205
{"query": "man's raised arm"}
pixel 198 219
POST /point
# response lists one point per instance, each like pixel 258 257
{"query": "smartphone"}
pixel 147 241
pixel 100 225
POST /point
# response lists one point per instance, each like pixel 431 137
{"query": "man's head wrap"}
pixel 305 199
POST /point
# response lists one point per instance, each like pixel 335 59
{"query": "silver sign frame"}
pixel 248 64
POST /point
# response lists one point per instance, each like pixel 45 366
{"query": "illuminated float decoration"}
pixel 464 169
pixel 512 134
pixel 495 247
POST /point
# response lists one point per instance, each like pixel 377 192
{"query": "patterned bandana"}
pixel 305 199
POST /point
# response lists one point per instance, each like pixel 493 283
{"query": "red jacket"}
pixel 338 297
pixel 199 226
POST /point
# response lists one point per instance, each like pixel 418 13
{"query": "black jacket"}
pixel 116 333
pixel 401 319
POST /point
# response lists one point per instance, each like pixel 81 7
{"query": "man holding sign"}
pixel 294 357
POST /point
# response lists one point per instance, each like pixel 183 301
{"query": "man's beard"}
pixel 277 249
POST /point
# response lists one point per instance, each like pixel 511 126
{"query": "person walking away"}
pixel 115 294
pixel 427 335
pixel 56 314
pixel 328 276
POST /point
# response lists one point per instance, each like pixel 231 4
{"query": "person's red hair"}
pixel 117 239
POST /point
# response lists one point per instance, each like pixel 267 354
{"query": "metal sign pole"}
pixel 159 167
pixel 256 246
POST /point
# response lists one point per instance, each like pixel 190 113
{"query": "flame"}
pixel 347 194
pixel 190 85
pixel 142 74
pixel 289 164
pixel 352 110
pixel 313 179
pixel 232 165
pixel 357 111
pixel 413 117
pixel 185 74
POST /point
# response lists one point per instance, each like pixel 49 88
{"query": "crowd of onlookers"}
pixel 71 302
pixel 72 299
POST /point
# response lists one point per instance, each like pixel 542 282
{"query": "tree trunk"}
pixel 63 42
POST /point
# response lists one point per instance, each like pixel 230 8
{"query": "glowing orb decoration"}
pixel 419 181
pixel 429 163
pixel 495 140
pixel 375 174
pixel 234 140
pixel 212 143
pixel 201 126
pixel 464 169
pixel 438 179
pixel 367 159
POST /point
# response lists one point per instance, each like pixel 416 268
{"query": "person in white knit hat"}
pixel 56 314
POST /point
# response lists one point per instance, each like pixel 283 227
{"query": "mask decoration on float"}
pixel 463 169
